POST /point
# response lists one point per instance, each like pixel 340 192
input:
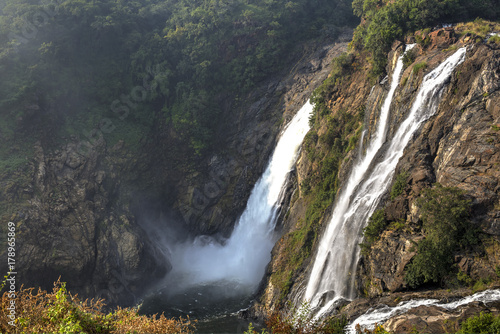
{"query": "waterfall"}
pixel 242 258
pixel 333 273
pixel 382 313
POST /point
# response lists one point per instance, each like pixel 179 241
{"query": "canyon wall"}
pixel 83 209
pixel 457 147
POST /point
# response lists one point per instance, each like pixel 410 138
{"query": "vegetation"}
pixel 387 21
pixel 419 66
pixel 376 225
pixel 478 27
pixel 61 312
pixel 342 67
pixel 377 330
pixel 399 185
pixel 73 63
pixel 446 227
pixel 377 222
pixel 328 151
pixel 494 40
pixel 481 323
pixel 409 57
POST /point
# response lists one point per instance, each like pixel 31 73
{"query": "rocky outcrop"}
pixel 434 319
pixel 457 147
pixel 75 227
pixel 387 261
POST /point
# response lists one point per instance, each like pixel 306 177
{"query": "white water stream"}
pixel 382 313
pixel 242 259
pixel 334 269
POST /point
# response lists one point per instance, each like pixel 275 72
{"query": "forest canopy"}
pixel 69 63
pixel 384 21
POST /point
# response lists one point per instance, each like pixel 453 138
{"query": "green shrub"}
pixel 464 278
pixel 480 285
pixel 430 265
pixel 409 57
pixel 376 225
pixel 482 323
pixel 494 39
pixel 419 66
pixel 399 185
pixel 446 226
pixel 377 330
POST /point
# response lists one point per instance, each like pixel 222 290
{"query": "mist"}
pixel 239 261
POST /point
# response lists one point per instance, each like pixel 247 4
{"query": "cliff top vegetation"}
pixel 68 61
pixel 385 21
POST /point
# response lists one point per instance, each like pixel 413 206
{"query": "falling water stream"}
pixel 382 313
pixel 213 278
pixel 333 273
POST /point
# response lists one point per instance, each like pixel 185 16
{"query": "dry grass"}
pixel 61 312
pixel 478 27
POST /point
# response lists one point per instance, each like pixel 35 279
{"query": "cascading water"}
pixel 315 285
pixel 243 257
pixel 210 279
pixel 333 273
pixel 383 313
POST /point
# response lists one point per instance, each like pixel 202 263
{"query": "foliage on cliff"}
pixel 481 323
pixel 446 226
pixel 328 150
pixel 332 136
pixel 170 62
pixel 60 312
pixel 386 21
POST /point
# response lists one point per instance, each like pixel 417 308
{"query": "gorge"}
pixel 251 156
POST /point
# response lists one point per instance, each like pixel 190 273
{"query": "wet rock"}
pixel 69 230
pixel 434 319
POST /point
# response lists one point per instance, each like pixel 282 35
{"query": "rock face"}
pixel 423 318
pixel 457 147
pixel 211 199
pixel 73 228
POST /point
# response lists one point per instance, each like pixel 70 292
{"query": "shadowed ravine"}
pixel 210 277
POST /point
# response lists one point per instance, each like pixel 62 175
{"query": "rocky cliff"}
pixel 458 147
